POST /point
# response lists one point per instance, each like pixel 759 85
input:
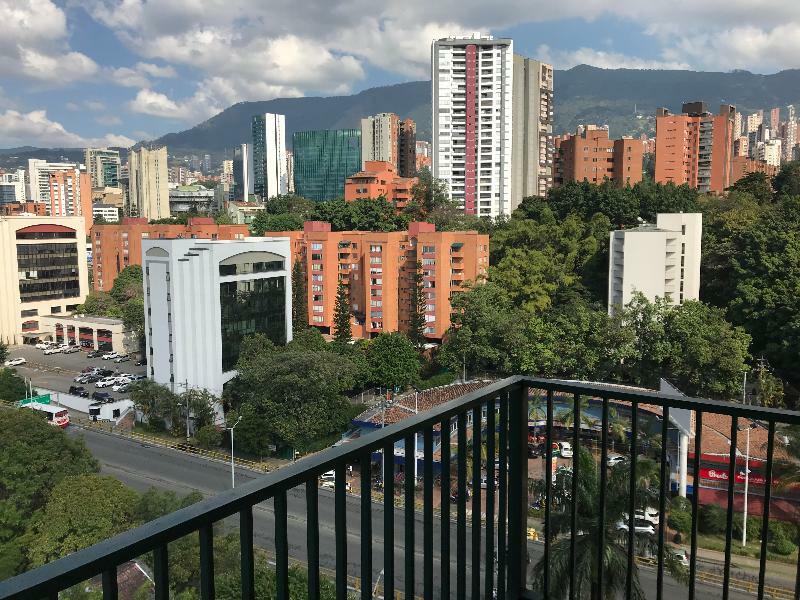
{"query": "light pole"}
pixel 233 467
pixel 746 483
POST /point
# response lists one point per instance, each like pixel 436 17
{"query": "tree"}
pixel 787 181
pixel 80 511
pixel 265 222
pixel 12 386
pixel 756 184
pixel 208 436
pixel 3 352
pixel 393 361
pixel 128 284
pixel 342 331
pixel 417 306
pixel 133 316
pixel 224 218
pixel 100 304
pixel 299 298
pixel 99 220
pixel 156 402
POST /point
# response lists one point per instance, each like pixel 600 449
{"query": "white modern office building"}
pixel 270 177
pixel 12 187
pixel 203 297
pixel 39 177
pixel 379 138
pixel 103 166
pixel 661 260
pixel 472 79
pixel 108 212
pixel 148 187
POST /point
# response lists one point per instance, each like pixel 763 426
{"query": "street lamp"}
pixel 750 426
pixel 233 467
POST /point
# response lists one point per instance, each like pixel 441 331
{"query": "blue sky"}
pixel 77 72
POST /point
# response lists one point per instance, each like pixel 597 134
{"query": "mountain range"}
pixel 624 99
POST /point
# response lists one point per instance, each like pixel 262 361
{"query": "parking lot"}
pixel 57 371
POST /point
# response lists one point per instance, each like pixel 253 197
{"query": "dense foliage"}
pixel 125 300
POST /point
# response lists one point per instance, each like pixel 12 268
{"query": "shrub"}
pixel 780 545
pixel 712 519
pixel 679 503
pixel 208 436
pixel 753 527
pixel 680 521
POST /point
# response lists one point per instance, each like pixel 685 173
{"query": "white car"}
pixel 638 527
pixel 13 362
pixel 121 385
pixel 681 557
pixel 614 459
pixel 43 345
pixel 53 350
pixel 565 449
pixel 110 356
pixel 648 515
pixel 107 382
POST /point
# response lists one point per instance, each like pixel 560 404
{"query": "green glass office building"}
pixel 322 161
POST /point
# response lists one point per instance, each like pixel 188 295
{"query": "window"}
pixel 317 319
pixel 429 249
pixel 375 260
pixel 316 267
pixel 316 246
pixel 246 268
pixel 32 312
pixel 375 248
pixel 316 256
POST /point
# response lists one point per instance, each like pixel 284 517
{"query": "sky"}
pixel 114 72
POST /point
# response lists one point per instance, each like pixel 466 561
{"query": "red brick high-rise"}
pixel 407 148
pixel 590 156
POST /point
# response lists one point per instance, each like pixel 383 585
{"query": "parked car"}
pixel 141 362
pixel 614 459
pixel 638 526
pixel 14 362
pixel 43 345
pixel 52 350
pixel 328 476
pixel 92 378
pixel 70 350
pixel 106 382
pixel 122 358
pixel 102 397
pixel 681 557
pixel 95 354
pixel 104 372
pixel 138 377
pixel 565 449
pixel 649 514
pixel 121 386
pixel 110 355
pixel 77 390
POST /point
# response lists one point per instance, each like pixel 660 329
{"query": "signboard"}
pixel 43 399
pixel 722 475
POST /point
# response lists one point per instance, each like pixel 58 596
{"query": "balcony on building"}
pixel 471 528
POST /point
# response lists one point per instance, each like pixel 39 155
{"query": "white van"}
pixel 565 449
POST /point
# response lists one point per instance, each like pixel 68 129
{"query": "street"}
pixel 141 466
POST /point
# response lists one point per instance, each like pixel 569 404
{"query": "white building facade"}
pixel 658 261
pixel 149 183
pixel 379 135
pixel 12 187
pixel 39 177
pixel 203 297
pixel 270 177
pixel 472 85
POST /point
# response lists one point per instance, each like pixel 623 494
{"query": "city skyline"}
pixel 132 71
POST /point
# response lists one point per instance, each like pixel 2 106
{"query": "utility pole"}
pixel 186 391
pixel 233 468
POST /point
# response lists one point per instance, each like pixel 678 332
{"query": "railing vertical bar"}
pixel 726 576
pixel 207 562
pixel 340 527
pixel 476 501
pixel 445 509
pixel 602 508
pixel 518 492
pixel 662 502
pixel 461 517
pixel 632 500
pixel 502 509
pixel 281 546
pixel 548 491
pixel 762 568
pixel 312 537
pixel 161 573
pixel 698 449
pixel 490 483
pixel 110 588
pixel 576 450
pixel 366 526
pixel 247 565
pixel 409 553
pixel 388 521
pixel 427 516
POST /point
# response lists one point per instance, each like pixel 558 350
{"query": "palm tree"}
pixel 615 557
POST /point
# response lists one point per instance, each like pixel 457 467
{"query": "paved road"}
pixel 56 371
pixel 142 466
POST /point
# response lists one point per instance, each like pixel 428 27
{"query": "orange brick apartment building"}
pixel 117 245
pixel 380 178
pixel 379 268
pixel 590 156
pixel 742 166
pixel 695 147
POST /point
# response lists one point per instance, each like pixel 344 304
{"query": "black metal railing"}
pixel 487 427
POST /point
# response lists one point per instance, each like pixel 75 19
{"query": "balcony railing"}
pixel 493 559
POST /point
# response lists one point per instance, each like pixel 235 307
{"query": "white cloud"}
pixel 34 44
pixel 35 129
pixel 108 120
pixel 139 75
pixel 156 70
pixel 600 58
pixel 156 104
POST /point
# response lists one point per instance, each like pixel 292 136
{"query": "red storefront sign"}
pixel 722 475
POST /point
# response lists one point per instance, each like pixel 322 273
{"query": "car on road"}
pixel 141 362
pixel 110 356
pixel 122 358
pixel 52 350
pixel 614 459
pixel 102 397
pixel 77 390
pixel 70 350
pixel 565 449
pixel 680 556
pixel 106 382
pixel 638 526
pixel 14 362
pixel 95 354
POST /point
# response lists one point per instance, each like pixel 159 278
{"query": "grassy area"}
pixel 753 548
